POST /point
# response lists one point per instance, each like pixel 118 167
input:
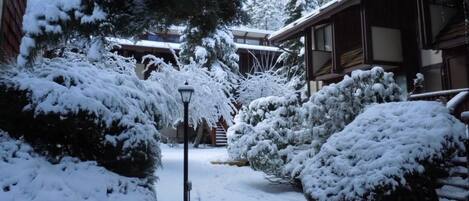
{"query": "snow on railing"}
pixel 457 100
pixel 465 119
pixel 437 93
pixel 465 116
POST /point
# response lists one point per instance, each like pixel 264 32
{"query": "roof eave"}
pixel 297 29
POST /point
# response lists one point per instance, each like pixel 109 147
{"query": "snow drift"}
pixel 382 151
pixel 24 175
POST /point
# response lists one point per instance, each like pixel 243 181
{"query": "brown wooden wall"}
pixel 11 28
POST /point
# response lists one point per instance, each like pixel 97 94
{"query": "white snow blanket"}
pixel 26 176
pixel 379 148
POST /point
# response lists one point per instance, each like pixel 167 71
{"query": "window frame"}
pixel 326 38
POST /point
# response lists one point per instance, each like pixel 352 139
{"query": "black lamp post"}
pixel 186 94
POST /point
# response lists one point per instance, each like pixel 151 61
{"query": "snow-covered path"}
pixel 216 182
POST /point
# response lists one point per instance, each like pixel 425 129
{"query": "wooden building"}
pixel 11 18
pixel 252 44
pixel 445 54
pixel 402 36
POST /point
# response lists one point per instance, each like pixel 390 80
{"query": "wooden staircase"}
pixel 220 138
pixel 456 185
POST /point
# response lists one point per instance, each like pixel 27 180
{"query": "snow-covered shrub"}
pixel 25 175
pixel 211 99
pixel 336 105
pixel 265 121
pixel 263 84
pixel 296 131
pixel 69 106
pixel 387 152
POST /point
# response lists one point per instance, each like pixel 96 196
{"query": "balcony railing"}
pixel 456 100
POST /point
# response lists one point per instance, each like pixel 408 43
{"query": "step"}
pixel 459 161
pixel 453 193
pixel 221 141
pixel 455 181
pixel 459 171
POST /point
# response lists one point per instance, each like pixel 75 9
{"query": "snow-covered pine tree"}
pixel 265 14
pixel 292 59
pixel 293 56
pixel 49 23
pixel 216 50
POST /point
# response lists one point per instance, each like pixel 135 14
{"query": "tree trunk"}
pixel 200 135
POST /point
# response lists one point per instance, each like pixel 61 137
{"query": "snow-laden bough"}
pixel 377 153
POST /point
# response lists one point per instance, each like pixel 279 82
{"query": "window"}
pixel 239 40
pixel 323 38
pixel 253 41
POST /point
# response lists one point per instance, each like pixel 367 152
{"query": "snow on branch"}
pixel 377 153
pixel 108 89
pixel 278 134
pixel 211 99
pixel 48 18
pixel 263 84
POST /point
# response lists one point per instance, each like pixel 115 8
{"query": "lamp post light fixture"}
pixel 186 94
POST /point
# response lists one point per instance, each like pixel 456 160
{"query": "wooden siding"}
pixel 348 38
pixel 396 14
pixel 353 44
pixel 11 32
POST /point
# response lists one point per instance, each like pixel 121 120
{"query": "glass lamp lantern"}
pixel 186 92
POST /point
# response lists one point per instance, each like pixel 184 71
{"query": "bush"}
pixel 391 151
pixel 267 120
pixel 69 106
pixel 276 135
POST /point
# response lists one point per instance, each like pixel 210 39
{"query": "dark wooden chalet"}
pixel 402 36
pixel 252 44
pixel 11 15
pixel 444 40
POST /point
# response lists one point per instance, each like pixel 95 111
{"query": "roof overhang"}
pixel 250 32
pixel 296 28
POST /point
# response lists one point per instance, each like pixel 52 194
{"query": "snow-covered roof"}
pixel 250 32
pixel 177 46
pixel 236 30
pixel 257 47
pixel 146 43
pixel 297 26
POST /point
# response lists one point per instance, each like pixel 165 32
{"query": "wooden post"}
pixel 308 59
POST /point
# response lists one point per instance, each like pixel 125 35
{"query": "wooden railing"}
pixel 457 100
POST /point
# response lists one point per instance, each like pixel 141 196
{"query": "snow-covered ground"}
pixel 216 182
pixel 27 176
